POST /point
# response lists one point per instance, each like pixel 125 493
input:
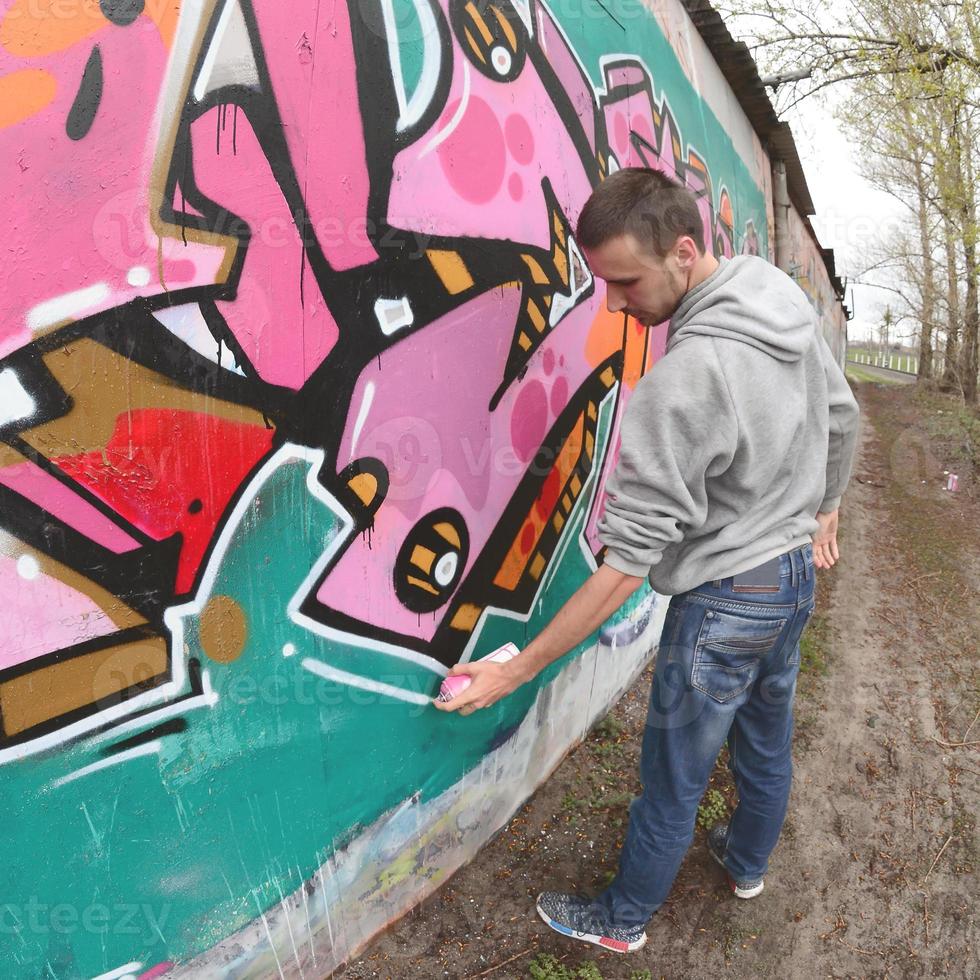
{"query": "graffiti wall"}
pixel 306 393
pixel 808 268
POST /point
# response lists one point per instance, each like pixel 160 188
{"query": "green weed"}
pixel 713 809
pixel 547 967
pixel 609 728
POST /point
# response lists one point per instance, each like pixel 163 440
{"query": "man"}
pixel 736 448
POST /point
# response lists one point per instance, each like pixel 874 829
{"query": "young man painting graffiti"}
pixel 736 448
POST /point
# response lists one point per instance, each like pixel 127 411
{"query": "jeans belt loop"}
pixel 792 570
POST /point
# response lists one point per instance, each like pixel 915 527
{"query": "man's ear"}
pixel 686 252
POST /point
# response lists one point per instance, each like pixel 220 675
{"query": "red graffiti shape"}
pixel 167 470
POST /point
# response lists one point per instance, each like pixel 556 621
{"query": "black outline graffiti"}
pixel 316 415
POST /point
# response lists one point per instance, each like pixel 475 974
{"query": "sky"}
pixel 851 214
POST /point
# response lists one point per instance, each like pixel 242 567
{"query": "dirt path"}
pixel 876 873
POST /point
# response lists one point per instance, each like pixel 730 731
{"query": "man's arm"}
pixel 599 596
pixel 843 434
pixel 841 448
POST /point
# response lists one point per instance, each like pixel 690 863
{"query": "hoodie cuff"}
pixel 829 505
pixel 623 565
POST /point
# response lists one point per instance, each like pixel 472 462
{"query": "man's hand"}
pixel 825 551
pixel 490 682
pixel 597 598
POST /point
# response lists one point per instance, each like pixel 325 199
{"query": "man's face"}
pixel 638 282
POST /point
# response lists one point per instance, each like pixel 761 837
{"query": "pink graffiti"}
pixel 285 331
pixel 463 167
pixel 40 614
pixel 629 112
pixel 78 234
pixel 468 460
pixel 574 81
pixel 33 483
pixel 156 971
pixel 295 150
pixel 314 77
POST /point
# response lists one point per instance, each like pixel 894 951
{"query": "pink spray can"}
pixel 453 686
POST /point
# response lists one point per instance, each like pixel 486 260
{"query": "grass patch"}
pixel 856 372
pixel 814 646
pixel 916 457
pixel 737 938
pixel 953 427
pixel 547 967
pixel 921 433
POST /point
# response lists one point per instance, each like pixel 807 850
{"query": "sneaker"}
pixel 581 919
pixel 717 842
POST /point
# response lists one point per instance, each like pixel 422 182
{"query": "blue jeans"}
pixel 726 669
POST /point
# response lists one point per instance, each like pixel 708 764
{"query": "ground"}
pixel 876 872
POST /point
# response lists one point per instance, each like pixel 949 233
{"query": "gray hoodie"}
pixel 734 439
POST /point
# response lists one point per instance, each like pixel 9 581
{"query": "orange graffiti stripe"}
pixel 164 15
pixel 606 338
pixel 479 23
pixel 725 210
pixel 25 93
pixel 512 568
pixel 506 28
pixel 634 356
pixel 39 27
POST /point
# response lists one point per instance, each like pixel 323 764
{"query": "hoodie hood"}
pixel 748 300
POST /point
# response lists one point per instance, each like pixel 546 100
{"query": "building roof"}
pixel 742 74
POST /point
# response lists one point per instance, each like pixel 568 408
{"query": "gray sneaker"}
pixel 579 918
pixel 717 844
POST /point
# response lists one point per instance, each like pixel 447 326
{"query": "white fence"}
pixel 908 363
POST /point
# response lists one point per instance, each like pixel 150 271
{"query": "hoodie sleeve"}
pixel 678 429
pixel 842 442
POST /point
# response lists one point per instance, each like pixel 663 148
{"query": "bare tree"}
pixel 971 312
pixel 909 71
pixel 830 43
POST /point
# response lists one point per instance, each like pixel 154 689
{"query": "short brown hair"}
pixel 644 203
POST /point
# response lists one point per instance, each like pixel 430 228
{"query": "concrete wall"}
pixel 305 394
pixel 808 268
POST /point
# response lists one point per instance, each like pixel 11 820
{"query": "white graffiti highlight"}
pixel 151 748
pixel 15 401
pixel 66 307
pixel 364 683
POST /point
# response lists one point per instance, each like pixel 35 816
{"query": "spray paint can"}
pixel 453 686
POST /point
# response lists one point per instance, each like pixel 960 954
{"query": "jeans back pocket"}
pixel 729 649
